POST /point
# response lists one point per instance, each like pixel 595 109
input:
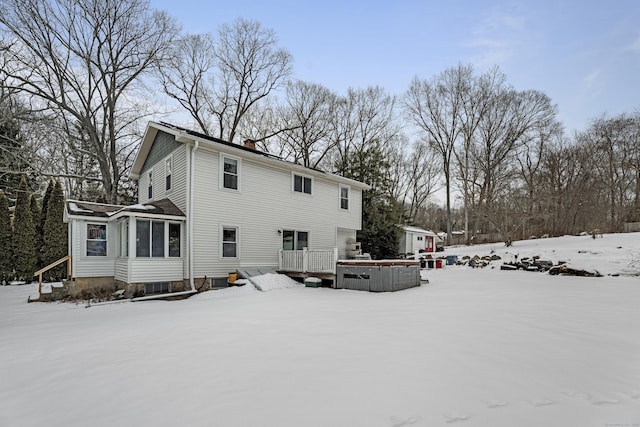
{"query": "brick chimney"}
pixel 250 143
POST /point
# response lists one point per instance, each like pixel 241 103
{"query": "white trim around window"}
pixel 302 184
pixel 344 198
pixel 295 239
pixel 158 239
pixel 230 173
pixel 229 242
pixel 96 240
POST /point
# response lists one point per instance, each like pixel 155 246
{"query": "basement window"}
pixel 156 288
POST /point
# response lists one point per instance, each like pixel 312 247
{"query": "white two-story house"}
pixel 206 208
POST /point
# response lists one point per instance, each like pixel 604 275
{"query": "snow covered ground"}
pixel 473 347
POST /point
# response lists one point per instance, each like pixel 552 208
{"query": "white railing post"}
pixel 280 259
pixel 334 261
pixel 305 260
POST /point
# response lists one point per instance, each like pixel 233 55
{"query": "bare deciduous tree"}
pixel 219 80
pixel 84 60
pixel 363 117
pixel 422 169
pixel 435 106
pixel 307 123
pixel 188 77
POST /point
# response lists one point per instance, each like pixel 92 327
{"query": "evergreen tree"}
pixel 55 241
pixel 35 217
pixel 381 213
pixel 380 233
pixel 45 203
pixel 24 235
pixel 6 248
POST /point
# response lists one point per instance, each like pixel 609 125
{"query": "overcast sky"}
pixel 584 54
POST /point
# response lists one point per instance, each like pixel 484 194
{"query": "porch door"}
pixel 295 240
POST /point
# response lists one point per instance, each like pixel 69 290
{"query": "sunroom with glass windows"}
pixel 133 244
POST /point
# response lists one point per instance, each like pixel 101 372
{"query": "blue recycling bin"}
pixel 452 259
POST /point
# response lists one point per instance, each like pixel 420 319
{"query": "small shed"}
pixel 415 239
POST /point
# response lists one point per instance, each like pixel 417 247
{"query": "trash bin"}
pixel 452 259
pixel 232 278
pixel 439 263
pixel 312 282
pixel 430 263
pixel 423 263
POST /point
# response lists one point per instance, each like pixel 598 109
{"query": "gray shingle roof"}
pixel 91 209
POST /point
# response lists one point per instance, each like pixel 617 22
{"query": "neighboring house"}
pixel 415 239
pixel 207 208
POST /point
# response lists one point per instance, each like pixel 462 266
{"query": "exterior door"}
pixel 429 243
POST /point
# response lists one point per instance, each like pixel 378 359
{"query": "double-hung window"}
pixel 302 184
pixel 96 240
pixel 230 173
pixel 229 242
pixel 344 198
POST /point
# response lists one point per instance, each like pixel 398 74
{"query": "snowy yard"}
pixel 473 347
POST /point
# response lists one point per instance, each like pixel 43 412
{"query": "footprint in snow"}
pixel 599 400
pixel 454 418
pixel 541 402
pixel 497 404
pixel 395 422
pixel 578 394
pixel 635 394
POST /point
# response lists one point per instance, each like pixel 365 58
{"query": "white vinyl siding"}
pixel 93 266
pixel 178 192
pixel 155 269
pixel 122 270
pixel 268 205
pixel 150 269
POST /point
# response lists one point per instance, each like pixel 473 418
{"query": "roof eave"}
pixel 186 137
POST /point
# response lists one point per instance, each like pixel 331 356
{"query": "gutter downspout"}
pixel 191 196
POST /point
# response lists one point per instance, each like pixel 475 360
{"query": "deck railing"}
pixel 309 261
pixel 49 267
